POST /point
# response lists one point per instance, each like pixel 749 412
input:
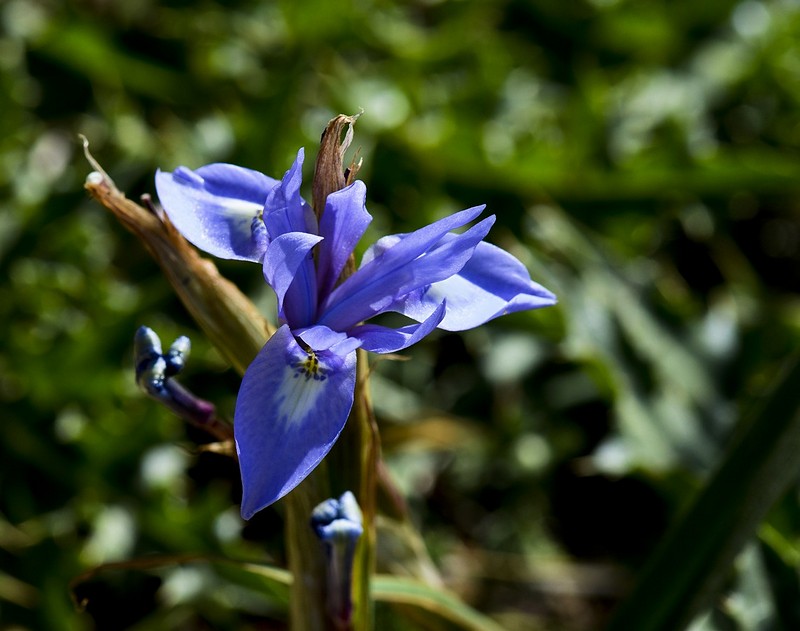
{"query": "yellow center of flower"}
pixel 310 368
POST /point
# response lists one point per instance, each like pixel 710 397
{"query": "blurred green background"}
pixel 643 159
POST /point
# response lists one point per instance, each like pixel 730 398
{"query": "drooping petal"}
pixel 285 254
pixel 382 339
pixel 215 207
pixel 291 407
pixel 392 274
pixel 491 284
pixel 286 211
pixel 343 223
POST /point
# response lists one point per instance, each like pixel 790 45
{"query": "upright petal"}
pixel 285 212
pixel 285 254
pixel 291 408
pixel 491 284
pixel 215 207
pixel 378 285
pixel 343 223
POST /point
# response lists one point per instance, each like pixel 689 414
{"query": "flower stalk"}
pixel 356 454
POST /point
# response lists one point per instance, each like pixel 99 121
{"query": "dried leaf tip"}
pixel 329 172
pixel 98 176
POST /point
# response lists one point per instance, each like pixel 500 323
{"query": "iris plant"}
pixel 297 394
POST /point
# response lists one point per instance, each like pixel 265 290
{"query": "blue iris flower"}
pixel 297 394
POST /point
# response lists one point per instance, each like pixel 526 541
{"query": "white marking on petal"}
pixel 242 208
pixel 301 386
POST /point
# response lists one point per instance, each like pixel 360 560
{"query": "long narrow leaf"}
pixel 687 570
pixel 433 600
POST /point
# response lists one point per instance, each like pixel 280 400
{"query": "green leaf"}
pixel 781 561
pixel 263 579
pixel 686 572
pixel 432 600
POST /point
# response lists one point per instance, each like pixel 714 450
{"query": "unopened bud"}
pixel 338 524
pixel 154 372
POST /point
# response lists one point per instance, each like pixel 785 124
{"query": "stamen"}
pixel 310 368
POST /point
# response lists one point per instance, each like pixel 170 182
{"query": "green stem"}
pixel 307 604
pixel 363 418
pixel 354 466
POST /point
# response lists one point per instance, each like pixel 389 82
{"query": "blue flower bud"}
pixel 178 355
pixel 338 524
pixel 324 514
pixel 147 348
pixel 154 372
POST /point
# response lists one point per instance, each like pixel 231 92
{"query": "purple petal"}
pixel 321 338
pixel 289 413
pixel 285 212
pixel 343 223
pixel 380 246
pixel 381 339
pixel 215 207
pixel 417 260
pixel 285 254
pixel 491 284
